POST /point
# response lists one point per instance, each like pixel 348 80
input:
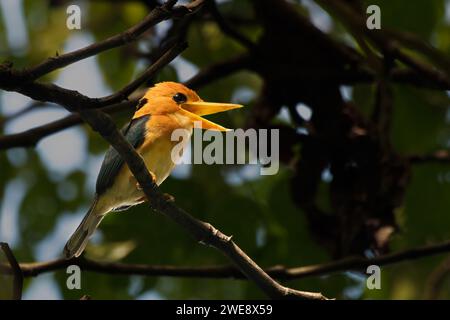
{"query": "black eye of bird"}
pixel 179 98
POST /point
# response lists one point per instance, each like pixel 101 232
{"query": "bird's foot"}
pixel 142 199
pixel 168 197
pixel 138 186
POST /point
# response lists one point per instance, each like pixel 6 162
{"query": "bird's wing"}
pixel 134 132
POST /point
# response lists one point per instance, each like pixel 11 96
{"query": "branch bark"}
pixel 158 14
pixel 31 137
pixel 201 231
pixel 386 41
pixel 440 156
pixel 436 280
pixel 73 101
pixel 16 271
pixel 218 272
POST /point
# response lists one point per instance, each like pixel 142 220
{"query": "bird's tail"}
pixel 79 239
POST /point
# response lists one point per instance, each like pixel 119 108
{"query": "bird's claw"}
pixel 169 197
pixel 138 186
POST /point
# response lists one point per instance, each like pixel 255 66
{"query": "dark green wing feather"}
pixel 134 132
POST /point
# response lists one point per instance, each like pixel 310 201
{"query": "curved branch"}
pixel 158 14
pixel 219 70
pixel 72 100
pixel 31 137
pixel 385 41
pixel 103 124
pixel 201 231
pixel 227 28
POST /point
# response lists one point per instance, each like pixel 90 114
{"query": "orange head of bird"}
pixel 174 98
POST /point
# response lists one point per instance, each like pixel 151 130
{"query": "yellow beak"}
pixel 194 110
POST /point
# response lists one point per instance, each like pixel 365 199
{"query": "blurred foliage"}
pixel 259 213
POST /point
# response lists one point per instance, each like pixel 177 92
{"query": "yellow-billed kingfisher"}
pixel 165 107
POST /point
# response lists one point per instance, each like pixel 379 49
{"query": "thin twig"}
pixel 157 15
pixel 436 280
pixel 162 61
pixel 32 106
pixel 355 21
pixel 30 137
pixel 219 70
pixel 227 28
pixel 440 156
pixel 412 41
pixel 201 231
pixel 73 100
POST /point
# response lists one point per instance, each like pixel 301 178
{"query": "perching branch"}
pixel 201 231
pixel 73 101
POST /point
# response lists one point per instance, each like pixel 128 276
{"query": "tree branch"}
pixel 227 28
pixel 383 40
pixel 436 280
pixel 10 80
pixel 440 156
pixel 219 272
pixel 16 271
pixel 158 14
pixel 219 70
pixel 103 124
pixel 162 61
pixel 201 231
pixel 412 41
pixel 31 137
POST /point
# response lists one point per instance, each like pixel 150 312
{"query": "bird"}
pixel 164 107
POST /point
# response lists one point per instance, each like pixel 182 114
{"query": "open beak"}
pixel 194 110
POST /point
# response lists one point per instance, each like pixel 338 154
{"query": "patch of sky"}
pixel 238 176
pixel 16 32
pixel 43 287
pixel 185 69
pixel 12 197
pixel 319 17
